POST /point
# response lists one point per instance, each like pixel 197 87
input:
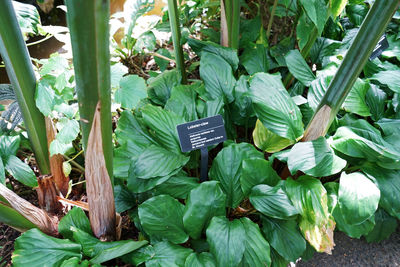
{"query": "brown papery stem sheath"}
pixel 98 185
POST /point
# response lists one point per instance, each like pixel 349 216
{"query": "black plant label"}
pixel 382 45
pixel 201 133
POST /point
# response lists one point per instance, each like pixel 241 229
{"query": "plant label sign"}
pixel 201 133
pixel 382 45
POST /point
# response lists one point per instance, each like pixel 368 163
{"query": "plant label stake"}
pixel 382 45
pixel 201 134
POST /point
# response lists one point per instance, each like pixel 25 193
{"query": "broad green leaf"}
pixel 314 158
pixel 74 218
pixel 76 262
pixel 376 102
pixel 45 97
pixel 160 87
pixel 204 259
pixel 337 6
pixel 34 247
pixel 274 107
pixel 257 171
pixel 317 90
pixel 356 100
pixel 391 78
pixel 217 76
pixel 317 11
pixel 385 225
pixel 361 140
pixel 388 183
pixel 299 68
pixel 177 186
pixel 183 101
pixel 20 171
pixel 255 59
pixel 162 216
pixel 132 88
pixel 227 53
pixel 257 250
pixel 118 70
pixel 68 130
pixel 168 255
pixel 104 251
pixel 358 197
pixel 310 198
pixel 58 147
pixel 356 13
pixel 156 161
pixel 227 169
pixel 163 126
pixel 204 202
pixel 304 30
pixel 269 141
pixel 141 255
pixel 227 241
pixel 124 199
pixel 28 18
pixel 389 126
pixel 284 237
pixel 272 202
pixel 2 172
pixel 162 63
pixel 9 145
pixel 242 109
pixel 355 230
pixel 146 41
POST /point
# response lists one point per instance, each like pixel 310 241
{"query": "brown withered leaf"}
pixel 98 184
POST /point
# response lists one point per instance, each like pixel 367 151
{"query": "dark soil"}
pixel 357 252
pixel 7 237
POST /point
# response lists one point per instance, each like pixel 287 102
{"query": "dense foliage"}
pixel 271 198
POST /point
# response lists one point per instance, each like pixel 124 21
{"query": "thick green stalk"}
pixel 89 29
pixel 176 38
pixel 230 23
pixel 371 31
pixel 12 218
pixel 271 18
pixel 19 69
pixel 235 25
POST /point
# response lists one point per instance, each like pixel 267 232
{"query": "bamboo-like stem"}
pixel 89 30
pixel 230 23
pixel 224 26
pixel 15 54
pixel 176 38
pixel 271 18
pixel 235 25
pixel 48 224
pixel 371 31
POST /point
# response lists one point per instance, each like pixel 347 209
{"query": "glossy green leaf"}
pixel 104 251
pixel 389 185
pixel 274 107
pixel 28 18
pixel 356 13
pixel 204 202
pixel 160 87
pixel 314 158
pixel 204 259
pixel 20 171
pixel 45 97
pixel 255 59
pixel 361 140
pixel 227 241
pixel 33 248
pixel 124 200
pixel 12 218
pixel 217 76
pixel 317 90
pixel 391 78
pixel 168 255
pixel 309 197
pixel 257 171
pixel 162 63
pixel 163 126
pixel 356 100
pixel 358 197
pixel 385 225
pixel 76 262
pixel 376 102
pixel 2 172
pixel 227 53
pixel 74 218
pixel 177 186
pixel 298 67
pixel 183 101
pixel 68 130
pixel 157 161
pixel 268 141
pixel 317 11
pixel 137 185
pixel 337 6
pixel 272 202
pixel 257 250
pixel 132 88
pixel 162 216
pixel 227 169
pixel 304 30
pixel 284 237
